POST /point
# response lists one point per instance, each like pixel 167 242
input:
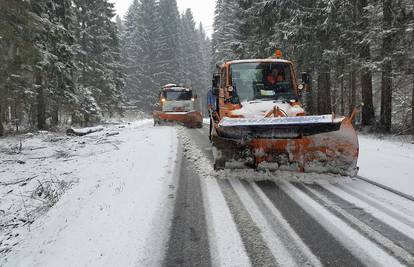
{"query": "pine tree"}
pixel 140 45
pixel 387 50
pixel 205 61
pixel 99 77
pixel 169 43
pixel 225 30
pixel 191 57
pixel 368 112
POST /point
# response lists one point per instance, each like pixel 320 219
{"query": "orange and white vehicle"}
pixel 178 105
pixel 258 121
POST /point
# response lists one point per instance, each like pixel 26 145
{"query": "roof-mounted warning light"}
pixel 278 54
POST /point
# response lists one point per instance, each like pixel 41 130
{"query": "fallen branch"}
pixel 112 134
pixel 18 181
pixel 83 132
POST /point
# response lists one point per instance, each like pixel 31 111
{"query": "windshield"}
pixel 253 81
pixel 178 95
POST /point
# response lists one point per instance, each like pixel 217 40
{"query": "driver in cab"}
pixel 274 77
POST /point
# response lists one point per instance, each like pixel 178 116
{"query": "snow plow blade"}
pixel 321 144
pixel 277 128
pixel 192 119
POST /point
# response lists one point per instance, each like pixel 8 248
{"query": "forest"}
pixel 358 51
pixel 75 62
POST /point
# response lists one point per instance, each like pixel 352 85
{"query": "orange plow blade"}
pixel 309 144
pixel 192 119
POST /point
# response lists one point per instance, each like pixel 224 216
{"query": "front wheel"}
pixel 219 159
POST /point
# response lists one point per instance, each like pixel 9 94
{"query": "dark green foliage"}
pixel 59 62
pixel 160 47
pixel 345 45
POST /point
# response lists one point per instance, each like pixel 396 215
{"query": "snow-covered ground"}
pixel 120 184
pixel 388 162
pixel 108 198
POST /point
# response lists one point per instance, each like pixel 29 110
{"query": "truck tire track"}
pixel 188 243
pixel 322 243
pixel 256 247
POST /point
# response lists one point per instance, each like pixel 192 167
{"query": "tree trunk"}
pixel 386 86
pixel 412 111
pixel 309 97
pixel 334 100
pixel 324 89
pixel 386 96
pixel 55 115
pixel 352 91
pixel 1 122
pixel 368 112
pixel 40 102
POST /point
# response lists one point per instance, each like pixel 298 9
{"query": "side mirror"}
pixel 215 91
pixel 306 78
pixel 216 80
pixel 306 83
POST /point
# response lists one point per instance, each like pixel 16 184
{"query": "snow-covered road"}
pixel 287 219
pixel 149 197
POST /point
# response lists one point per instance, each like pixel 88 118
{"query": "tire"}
pixel 211 129
pixel 219 160
pixel 219 165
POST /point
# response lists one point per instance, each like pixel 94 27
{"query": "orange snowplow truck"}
pixel 257 121
pixel 178 105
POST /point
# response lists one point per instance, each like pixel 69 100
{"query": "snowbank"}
pixel 115 215
pixel 387 162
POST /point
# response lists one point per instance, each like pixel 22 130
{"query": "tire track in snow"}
pixel 188 242
pixel 288 222
pixel 282 246
pixel 369 253
pixel 395 213
pixel 380 215
pixel 225 242
pixel 282 228
pixel 257 249
pixel 321 242
pixel 387 230
pixel 379 233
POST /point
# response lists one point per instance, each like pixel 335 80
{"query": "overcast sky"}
pixel 203 10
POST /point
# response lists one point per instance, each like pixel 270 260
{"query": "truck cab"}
pixel 177 99
pixel 178 106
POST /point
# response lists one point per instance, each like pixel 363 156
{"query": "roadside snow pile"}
pixel 118 189
pixel 388 162
pixel 202 166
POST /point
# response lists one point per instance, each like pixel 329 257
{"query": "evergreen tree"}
pixel 368 112
pixel 387 50
pixel 205 60
pixel 17 57
pixel 169 43
pixel 191 57
pixel 225 30
pixel 99 76
pixel 140 53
